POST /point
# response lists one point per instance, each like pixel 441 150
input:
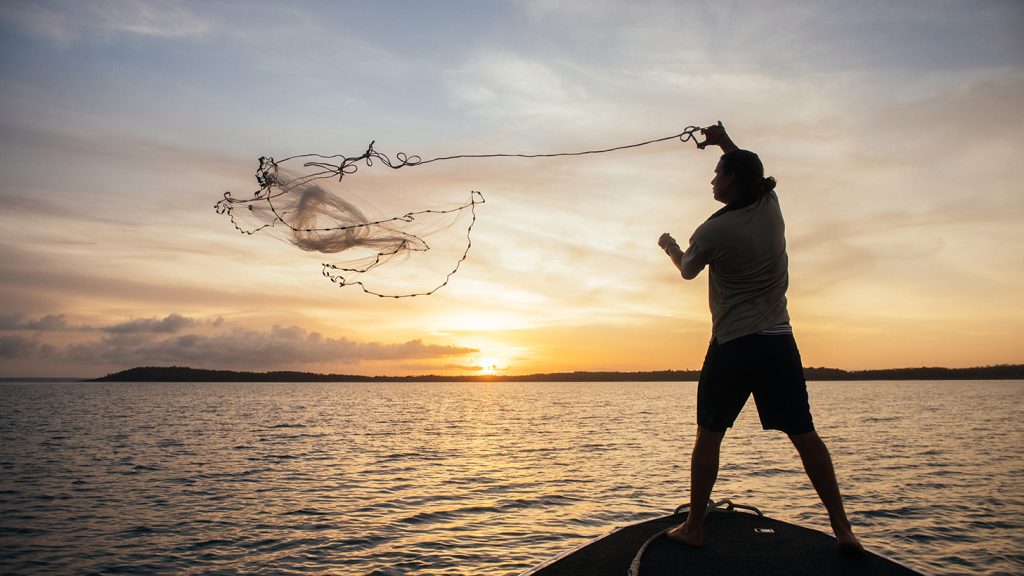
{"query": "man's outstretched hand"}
pixel 715 135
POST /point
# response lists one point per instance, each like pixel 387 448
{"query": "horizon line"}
pixel 163 373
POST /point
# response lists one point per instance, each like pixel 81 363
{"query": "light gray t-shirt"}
pixel 745 249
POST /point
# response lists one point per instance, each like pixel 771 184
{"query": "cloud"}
pixel 502 84
pixel 65 23
pixel 16 347
pixel 50 322
pixel 171 324
pixel 181 340
pixel 247 349
pixel 792 37
pixel 10 321
pixel 25 206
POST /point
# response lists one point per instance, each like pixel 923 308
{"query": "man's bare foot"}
pixel 684 535
pixel 849 543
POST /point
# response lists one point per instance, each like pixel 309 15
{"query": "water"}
pixel 470 478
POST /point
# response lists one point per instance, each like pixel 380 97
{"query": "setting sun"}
pixel 488 365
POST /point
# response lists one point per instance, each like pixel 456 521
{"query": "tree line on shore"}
pixel 185 374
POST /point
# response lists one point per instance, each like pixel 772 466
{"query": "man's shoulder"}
pixel 715 224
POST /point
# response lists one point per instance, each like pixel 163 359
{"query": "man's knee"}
pixel 705 436
pixel 803 436
pixel 808 442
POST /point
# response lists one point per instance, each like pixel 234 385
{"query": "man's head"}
pixel 739 177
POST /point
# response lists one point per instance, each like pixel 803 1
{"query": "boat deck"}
pixel 736 542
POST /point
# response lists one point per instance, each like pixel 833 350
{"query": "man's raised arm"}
pixel 715 136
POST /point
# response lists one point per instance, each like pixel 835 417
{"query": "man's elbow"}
pixel 688 274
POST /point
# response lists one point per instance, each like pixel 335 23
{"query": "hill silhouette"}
pixel 185 374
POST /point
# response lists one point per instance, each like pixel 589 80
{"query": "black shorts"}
pixel 767 366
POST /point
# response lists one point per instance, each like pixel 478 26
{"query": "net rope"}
pixel 314 219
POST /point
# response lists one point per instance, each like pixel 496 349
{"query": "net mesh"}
pixel 400 255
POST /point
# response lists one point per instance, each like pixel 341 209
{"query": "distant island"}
pixel 183 374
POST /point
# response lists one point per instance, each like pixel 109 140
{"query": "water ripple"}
pixel 472 478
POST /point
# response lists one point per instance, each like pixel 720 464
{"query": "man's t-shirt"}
pixel 745 249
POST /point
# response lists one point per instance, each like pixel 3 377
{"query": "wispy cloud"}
pixel 500 84
pixel 65 23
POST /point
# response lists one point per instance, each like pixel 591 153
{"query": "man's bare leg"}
pixel 818 465
pixel 703 473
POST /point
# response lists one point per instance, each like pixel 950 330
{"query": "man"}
pixel 752 348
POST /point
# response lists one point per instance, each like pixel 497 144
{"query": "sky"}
pixel 893 129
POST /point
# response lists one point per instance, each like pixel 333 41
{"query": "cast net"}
pixel 390 255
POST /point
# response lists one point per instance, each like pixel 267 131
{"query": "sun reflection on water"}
pixel 434 478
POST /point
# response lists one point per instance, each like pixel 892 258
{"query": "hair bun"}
pixel 768 185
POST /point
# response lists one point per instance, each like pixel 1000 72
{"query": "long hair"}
pixel 749 171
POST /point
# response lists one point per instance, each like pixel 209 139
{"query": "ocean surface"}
pixel 474 478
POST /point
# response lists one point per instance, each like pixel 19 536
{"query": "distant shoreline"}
pixel 185 374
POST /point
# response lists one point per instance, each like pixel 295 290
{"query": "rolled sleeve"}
pixel 693 261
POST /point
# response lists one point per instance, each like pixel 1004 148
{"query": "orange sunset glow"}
pixel 896 153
